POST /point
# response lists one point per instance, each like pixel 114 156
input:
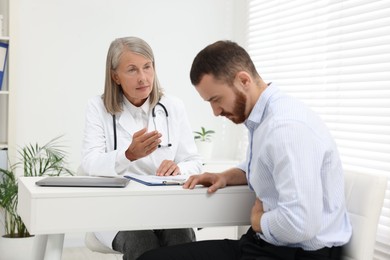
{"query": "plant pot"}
pixel 17 248
pixel 205 148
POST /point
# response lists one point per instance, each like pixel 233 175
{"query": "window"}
pixel 335 56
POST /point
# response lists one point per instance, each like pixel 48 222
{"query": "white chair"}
pixel 95 245
pixel 364 195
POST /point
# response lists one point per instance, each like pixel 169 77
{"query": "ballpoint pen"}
pixel 173 182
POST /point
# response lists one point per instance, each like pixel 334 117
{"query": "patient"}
pixel 292 165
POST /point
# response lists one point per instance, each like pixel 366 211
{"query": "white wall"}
pixel 58 51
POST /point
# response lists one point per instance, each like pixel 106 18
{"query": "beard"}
pixel 238 115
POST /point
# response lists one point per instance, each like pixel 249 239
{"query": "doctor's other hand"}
pixel 143 144
pixel 168 167
pixel 212 180
pixel 256 213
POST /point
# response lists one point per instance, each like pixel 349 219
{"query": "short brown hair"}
pixel 222 59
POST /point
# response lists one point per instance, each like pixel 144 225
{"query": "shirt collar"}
pixel 134 110
pixel 257 113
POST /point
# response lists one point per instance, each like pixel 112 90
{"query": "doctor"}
pixel 134 127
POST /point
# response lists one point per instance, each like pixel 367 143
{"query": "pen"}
pixel 173 182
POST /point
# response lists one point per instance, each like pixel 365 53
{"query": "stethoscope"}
pixel 154 123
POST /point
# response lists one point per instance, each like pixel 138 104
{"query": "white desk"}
pixel 49 213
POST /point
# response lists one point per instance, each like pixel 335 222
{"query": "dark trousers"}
pixel 134 243
pixel 249 247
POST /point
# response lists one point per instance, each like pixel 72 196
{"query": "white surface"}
pixel 47 210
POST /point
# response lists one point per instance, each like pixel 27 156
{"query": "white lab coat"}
pixel 100 158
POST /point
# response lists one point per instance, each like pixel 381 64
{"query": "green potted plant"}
pixel 203 140
pixel 35 160
pixel 204 135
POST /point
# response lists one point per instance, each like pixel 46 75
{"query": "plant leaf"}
pixel 36 160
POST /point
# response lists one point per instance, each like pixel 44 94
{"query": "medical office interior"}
pixel 333 55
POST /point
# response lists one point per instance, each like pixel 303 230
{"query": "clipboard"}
pixel 153 180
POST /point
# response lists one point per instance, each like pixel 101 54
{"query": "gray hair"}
pixel 113 93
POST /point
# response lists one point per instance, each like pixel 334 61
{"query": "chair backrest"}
pixel 364 195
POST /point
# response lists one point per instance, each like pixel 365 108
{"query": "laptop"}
pixel 83 181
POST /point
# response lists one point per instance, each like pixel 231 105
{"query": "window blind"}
pixel 334 55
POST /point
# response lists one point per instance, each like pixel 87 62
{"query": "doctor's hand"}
pixel 212 180
pixel 143 144
pixel 257 212
pixel 168 167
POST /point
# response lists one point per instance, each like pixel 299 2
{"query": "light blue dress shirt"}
pixel 294 167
